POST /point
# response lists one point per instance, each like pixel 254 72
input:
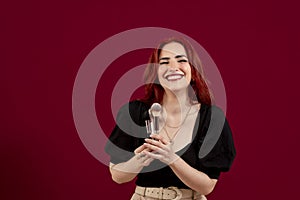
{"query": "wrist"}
pixel 174 160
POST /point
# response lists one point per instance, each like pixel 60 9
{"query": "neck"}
pixel 176 102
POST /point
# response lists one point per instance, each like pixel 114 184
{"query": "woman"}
pixel 168 165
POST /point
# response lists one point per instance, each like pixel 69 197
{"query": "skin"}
pixel 174 75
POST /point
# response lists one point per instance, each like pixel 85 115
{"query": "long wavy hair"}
pixel 198 91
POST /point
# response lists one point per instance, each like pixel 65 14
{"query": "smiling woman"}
pixel 154 92
pixel 174 72
pixel 167 165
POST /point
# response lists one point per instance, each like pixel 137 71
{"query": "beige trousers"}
pixel 136 196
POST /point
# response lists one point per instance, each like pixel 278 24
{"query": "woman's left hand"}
pixel 161 149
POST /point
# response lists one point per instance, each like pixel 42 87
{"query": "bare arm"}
pixel 193 178
pixel 127 171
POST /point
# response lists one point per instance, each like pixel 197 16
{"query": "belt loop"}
pixel 144 192
pixel 160 196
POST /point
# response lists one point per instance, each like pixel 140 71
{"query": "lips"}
pixel 173 77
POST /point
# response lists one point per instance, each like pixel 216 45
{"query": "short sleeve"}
pixel 222 152
pixel 127 134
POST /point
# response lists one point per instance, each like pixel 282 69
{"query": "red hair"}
pixel 154 91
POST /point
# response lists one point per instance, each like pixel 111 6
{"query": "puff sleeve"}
pixel 217 151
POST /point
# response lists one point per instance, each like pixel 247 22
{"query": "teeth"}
pixel 174 77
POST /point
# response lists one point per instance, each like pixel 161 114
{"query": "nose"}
pixel 173 64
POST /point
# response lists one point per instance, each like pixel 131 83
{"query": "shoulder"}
pixel 211 109
pixel 133 106
pixel 212 113
pixel 135 110
pixel 138 104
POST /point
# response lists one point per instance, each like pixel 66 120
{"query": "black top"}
pixel 211 151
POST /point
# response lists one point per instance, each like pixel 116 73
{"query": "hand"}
pixel 160 149
pixel 141 157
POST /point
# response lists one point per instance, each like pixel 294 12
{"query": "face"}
pixel 174 72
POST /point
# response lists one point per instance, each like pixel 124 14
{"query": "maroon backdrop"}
pixel 255 45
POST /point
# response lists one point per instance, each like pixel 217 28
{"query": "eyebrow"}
pixel 167 58
pixel 180 56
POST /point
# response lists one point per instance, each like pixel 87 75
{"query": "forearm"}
pixel 193 178
pixel 126 171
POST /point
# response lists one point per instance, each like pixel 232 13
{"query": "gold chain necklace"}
pixel 182 121
pixel 179 127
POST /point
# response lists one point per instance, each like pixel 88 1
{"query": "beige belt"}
pixel 165 193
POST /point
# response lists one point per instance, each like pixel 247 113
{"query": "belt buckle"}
pixel 178 192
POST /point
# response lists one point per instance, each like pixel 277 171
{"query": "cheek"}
pixel 187 69
pixel 160 73
pixel 161 70
pixel 188 73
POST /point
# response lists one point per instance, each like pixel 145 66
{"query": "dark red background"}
pixel 255 44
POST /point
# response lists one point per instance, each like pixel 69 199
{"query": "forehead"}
pixel 173 48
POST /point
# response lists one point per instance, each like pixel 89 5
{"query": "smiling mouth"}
pixel 174 77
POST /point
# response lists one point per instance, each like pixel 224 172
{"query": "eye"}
pixel 182 61
pixel 164 63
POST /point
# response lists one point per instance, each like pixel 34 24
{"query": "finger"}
pixel 158 144
pixel 154 155
pixel 154 148
pixel 165 141
pixel 156 136
pixel 155 143
pixel 145 159
pixel 160 138
pixel 148 161
pixel 138 156
pixel 139 149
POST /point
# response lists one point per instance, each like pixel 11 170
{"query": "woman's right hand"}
pixel 141 157
pixel 127 171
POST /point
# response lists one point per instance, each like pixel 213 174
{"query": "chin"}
pixel 175 89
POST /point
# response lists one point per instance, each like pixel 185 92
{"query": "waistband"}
pixel 166 193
